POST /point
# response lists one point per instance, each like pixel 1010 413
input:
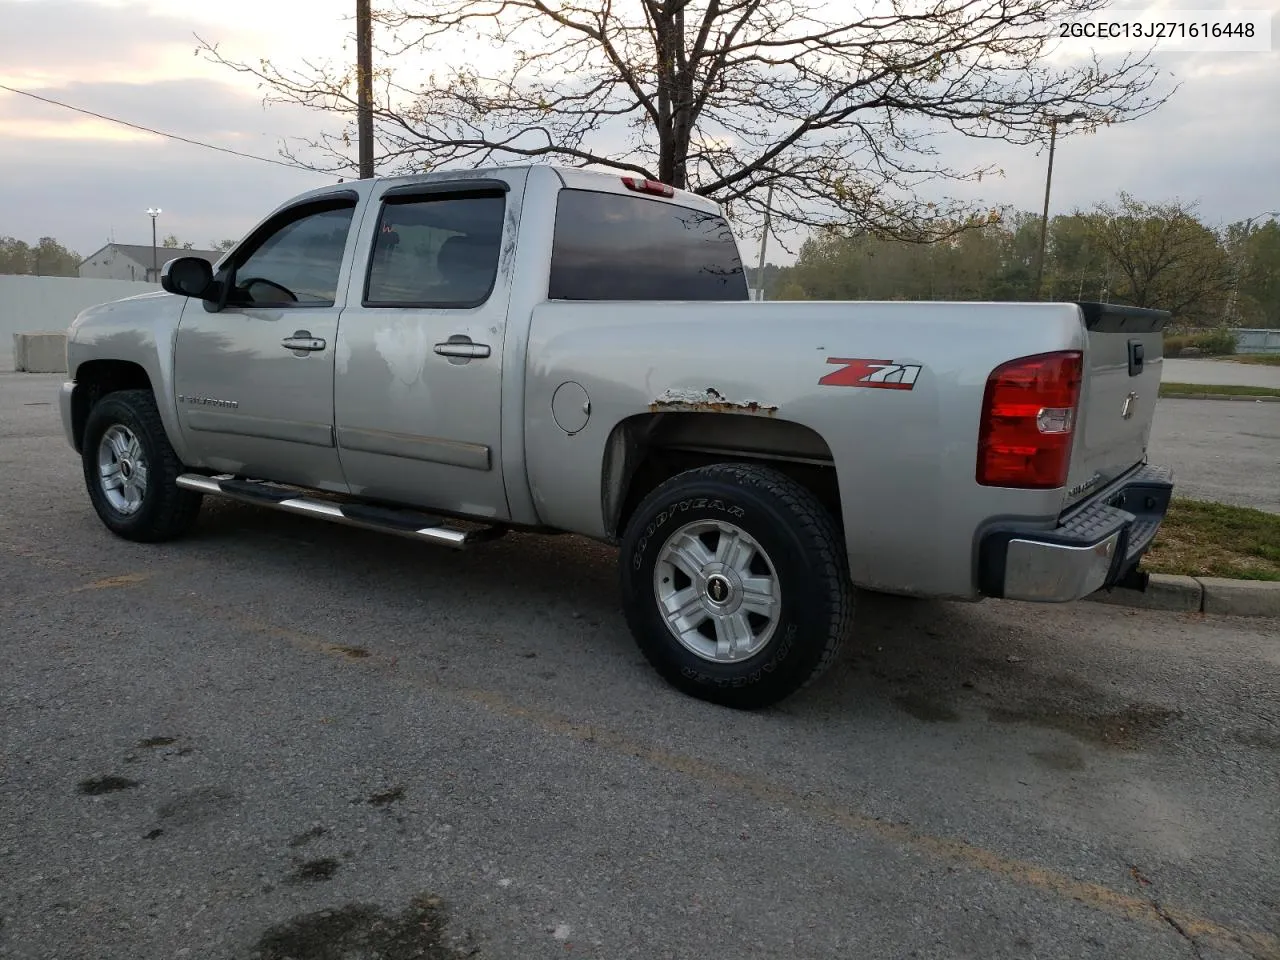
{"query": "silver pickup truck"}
pixel 454 355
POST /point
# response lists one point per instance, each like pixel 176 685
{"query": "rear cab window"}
pixel 611 246
pixel 436 250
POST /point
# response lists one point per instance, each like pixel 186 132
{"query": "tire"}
pixel 124 430
pixel 775 533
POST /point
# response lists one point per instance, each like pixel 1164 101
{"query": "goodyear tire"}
pixel 130 470
pixel 735 584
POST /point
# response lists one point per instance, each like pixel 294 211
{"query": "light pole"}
pixel 1048 179
pixel 764 239
pixel 154 212
pixel 1244 251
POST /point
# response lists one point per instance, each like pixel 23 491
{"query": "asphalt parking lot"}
pixel 1206 371
pixel 280 738
pixel 1227 451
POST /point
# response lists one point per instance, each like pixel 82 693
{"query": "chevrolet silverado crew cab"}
pixel 455 355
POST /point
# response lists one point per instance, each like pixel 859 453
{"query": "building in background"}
pixel 132 261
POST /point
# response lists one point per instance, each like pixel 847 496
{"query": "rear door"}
pixel 1122 382
pixel 254 381
pixel 418 387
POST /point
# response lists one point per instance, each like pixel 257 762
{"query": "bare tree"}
pixel 838 110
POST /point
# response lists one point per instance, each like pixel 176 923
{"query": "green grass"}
pixel 1201 389
pixel 1201 539
pixel 1265 359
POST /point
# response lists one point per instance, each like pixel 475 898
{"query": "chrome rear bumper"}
pixel 1094 546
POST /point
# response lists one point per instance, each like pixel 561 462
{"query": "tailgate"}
pixel 1118 399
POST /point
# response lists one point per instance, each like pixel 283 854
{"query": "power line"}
pixel 158 133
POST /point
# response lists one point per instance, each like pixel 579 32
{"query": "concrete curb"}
pixel 1233 598
pixel 1216 396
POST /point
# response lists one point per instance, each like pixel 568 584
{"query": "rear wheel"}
pixel 735 584
pixel 130 470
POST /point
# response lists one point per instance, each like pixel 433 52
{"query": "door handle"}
pixel 459 349
pixel 302 342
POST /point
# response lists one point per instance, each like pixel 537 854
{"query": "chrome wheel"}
pixel 122 469
pixel 718 591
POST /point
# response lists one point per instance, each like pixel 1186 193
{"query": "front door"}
pixel 418 390
pixel 254 380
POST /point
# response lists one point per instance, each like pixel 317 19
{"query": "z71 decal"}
pixel 884 374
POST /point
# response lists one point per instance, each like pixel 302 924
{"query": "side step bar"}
pixel 406 523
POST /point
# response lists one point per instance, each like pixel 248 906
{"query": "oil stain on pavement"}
pixel 315 871
pixel 362 930
pixel 1123 729
pixel 96 786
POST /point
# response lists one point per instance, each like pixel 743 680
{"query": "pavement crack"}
pixel 1164 915
pixel 1144 881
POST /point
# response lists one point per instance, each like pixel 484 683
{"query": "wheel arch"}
pixel 645 450
pixel 97 378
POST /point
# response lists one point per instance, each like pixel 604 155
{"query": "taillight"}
pixel 655 187
pixel 1028 421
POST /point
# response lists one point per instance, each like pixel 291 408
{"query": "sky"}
pixel 86 181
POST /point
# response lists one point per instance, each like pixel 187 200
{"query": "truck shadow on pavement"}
pixel 925 662
pixel 940 662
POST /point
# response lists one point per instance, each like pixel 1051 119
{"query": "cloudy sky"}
pixel 84 181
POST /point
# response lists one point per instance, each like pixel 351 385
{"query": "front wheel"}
pixel 130 470
pixel 735 584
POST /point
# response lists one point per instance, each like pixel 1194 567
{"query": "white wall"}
pixel 49 304
pixel 1257 341
pixel 114 265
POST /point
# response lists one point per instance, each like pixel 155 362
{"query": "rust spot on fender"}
pixel 710 400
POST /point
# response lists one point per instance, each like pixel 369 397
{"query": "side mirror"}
pixel 187 277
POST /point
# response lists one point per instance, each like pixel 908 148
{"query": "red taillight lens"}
pixel 1028 421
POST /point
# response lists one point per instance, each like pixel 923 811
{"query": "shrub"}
pixel 1215 342
pixel 1210 343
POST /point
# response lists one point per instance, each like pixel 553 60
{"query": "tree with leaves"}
pixel 1256 252
pixel 1154 255
pixel 1164 257
pixel 1077 265
pixel 48 258
pixel 832 107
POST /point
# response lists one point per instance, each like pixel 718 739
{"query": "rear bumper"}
pixel 1095 546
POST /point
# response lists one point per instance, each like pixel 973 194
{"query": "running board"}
pixel 406 523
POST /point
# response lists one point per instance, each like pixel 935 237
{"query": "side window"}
pixel 615 247
pixel 436 250
pixel 298 262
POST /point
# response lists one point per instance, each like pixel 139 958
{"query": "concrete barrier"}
pixel 40 352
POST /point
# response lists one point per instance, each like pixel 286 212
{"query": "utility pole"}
pixel 764 238
pixel 364 86
pixel 1048 179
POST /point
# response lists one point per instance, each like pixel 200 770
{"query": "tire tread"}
pixel 176 509
pixel 818 531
